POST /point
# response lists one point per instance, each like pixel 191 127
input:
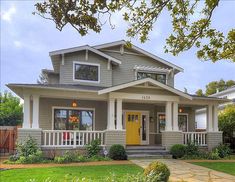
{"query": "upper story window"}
pixel 156 76
pixel 86 72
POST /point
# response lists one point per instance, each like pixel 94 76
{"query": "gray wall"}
pixel 66 70
pixel 124 72
pixel 45 111
pixel 53 78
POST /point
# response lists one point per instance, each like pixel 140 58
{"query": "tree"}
pixel 214 86
pixel 43 78
pixel 199 92
pixel 227 122
pixel 141 15
pixel 11 111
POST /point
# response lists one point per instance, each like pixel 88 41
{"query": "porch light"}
pixel 74 103
pixel 180 110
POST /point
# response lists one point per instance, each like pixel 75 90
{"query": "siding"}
pixel 124 72
pixel 53 78
pixel 66 70
pixel 45 111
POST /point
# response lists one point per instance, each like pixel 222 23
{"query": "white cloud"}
pixel 18 44
pixel 7 15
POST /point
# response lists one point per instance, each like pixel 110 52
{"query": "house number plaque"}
pixel 146 97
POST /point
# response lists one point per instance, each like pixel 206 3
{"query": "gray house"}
pixel 117 94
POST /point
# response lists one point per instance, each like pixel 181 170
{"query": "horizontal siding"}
pixel 66 70
pixel 46 104
pixel 124 72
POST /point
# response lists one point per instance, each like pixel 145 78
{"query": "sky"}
pixel 27 39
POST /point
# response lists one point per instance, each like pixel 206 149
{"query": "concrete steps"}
pixel 157 152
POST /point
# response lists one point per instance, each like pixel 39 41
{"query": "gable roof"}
pixel 150 80
pixel 85 47
pixel 123 42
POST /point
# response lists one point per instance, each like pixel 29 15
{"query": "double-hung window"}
pixel 86 72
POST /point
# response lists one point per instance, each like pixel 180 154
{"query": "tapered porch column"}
pixel 26 120
pixel 175 117
pixel 215 117
pixel 168 116
pixel 35 123
pixel 119 114
pixel 111 112
pixel 209 121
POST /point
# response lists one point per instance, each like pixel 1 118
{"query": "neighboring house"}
pixel 117 94
pixel 201 113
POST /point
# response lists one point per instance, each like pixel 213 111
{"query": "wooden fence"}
pixel 8 135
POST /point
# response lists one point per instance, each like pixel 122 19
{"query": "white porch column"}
pixel 111 112
pixel 35 123
pixel 215 117
pixel 175 117
pixel 209 124
pixel 26 120
pixel 119 114
pixel 168 116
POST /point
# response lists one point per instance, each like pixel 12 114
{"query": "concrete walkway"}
pixel 182 171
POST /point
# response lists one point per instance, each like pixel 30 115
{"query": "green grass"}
pixel 226 167
pixel 58 173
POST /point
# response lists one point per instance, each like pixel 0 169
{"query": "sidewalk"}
pixel 183 171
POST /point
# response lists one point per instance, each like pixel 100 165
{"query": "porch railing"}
pixel 70 138
pixel 198 138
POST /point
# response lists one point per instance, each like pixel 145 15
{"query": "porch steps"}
pixel 153 152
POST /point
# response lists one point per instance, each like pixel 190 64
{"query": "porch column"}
pixel 111 111
pixel 35 123
pixel 119 114
pixel 175 117
pixel 168 116
pixel 26 120
pixel 209 124
pixel 215 117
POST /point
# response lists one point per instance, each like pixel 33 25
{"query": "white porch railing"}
pixel 70 138
pixel 198 138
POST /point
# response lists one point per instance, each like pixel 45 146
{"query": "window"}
pixel 156 76
pixel 70 119
pixel 86 72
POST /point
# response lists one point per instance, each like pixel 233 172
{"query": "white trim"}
pixel 158 113
pixel 143 112
pixel 72 108
pixel 122 42
pixel 86 63
pixel 151 72
pixel 137 82
pixel 81 48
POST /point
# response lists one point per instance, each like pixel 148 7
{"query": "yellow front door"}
pixel 133 128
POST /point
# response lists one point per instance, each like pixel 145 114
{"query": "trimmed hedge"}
pixel 117 152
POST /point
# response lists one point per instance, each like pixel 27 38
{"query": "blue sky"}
pixel 26 40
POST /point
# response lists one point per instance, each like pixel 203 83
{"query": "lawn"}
pixel 226 167
pixel 60 173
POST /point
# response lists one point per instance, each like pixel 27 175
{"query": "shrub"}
pixel 117 152
pixel 93 148
pixel 223 150
pixel 213 155
pixel 191 149
pixel 177 151
pixel 157 171
pixel 29 147
pixel 66 158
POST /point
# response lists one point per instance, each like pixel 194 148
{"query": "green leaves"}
pixel 141 15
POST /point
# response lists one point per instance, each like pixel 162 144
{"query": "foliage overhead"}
pixel 214 86
pixel 11 111
pixel 141 16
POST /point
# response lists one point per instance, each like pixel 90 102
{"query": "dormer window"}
pixel 161 77
pixel 86 72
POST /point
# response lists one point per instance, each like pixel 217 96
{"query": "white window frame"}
pixel 160 73
pixel 72 108
pixel 179 113
pixel 86 63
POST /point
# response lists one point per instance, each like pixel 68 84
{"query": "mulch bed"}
pixel 98 163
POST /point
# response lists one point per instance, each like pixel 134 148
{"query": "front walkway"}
pixel 183 171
